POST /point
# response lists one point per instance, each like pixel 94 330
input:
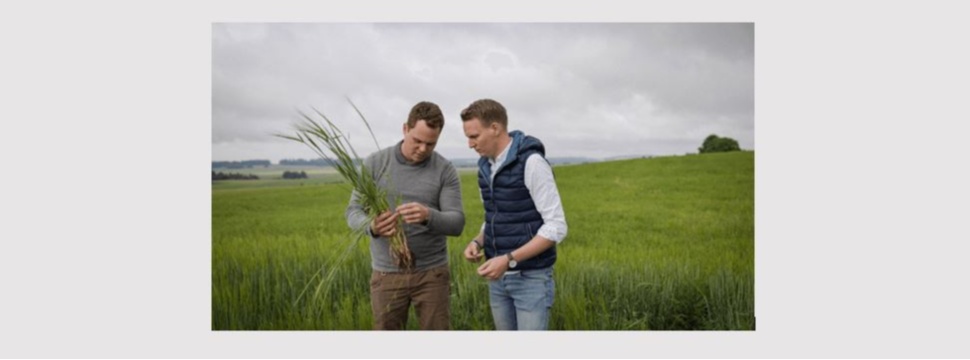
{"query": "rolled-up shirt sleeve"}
pixel 545 194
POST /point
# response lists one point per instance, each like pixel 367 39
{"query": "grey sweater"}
pixel 433 183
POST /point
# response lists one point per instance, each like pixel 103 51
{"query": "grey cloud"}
pixel 600 84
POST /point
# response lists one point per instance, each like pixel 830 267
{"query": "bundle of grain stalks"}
pixel 322 138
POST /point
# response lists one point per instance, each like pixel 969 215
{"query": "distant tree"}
pixel 713 144
pixel 294 175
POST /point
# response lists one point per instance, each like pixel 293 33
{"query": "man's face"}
pixel 482 139
pixel 419 141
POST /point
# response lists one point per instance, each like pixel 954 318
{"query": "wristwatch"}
pixel 512 262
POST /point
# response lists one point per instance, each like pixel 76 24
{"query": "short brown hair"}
pixel 429 112
pixel 487 111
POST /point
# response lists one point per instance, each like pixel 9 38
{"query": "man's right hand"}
pixel 384 225
pixel 472 254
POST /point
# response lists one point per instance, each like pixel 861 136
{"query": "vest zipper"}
pixel 491 191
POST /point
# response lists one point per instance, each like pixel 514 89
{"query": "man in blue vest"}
pixel 524 218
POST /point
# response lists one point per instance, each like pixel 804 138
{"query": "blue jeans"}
pixel 522 301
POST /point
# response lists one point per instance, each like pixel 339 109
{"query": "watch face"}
pixel 513 263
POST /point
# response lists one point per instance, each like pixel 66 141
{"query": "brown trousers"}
pixel 391 295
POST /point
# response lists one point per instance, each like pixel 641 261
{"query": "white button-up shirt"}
pixel 545 194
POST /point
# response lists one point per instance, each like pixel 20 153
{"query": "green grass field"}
pixel 654 244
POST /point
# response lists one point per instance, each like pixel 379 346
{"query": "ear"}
pixel 495 127
pixel 404 129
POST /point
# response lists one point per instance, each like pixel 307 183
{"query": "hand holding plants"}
pixel 414 213
pixel 384 225
pixel 331 144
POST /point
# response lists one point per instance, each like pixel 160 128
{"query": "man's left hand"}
pixel 494 268
pixel 414 213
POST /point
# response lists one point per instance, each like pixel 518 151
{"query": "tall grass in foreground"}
pixel 654 244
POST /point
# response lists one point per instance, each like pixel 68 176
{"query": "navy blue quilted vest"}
pixel 511 218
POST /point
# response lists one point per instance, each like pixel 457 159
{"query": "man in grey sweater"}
pixel 429 191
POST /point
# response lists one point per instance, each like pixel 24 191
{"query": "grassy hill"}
pixel 661 243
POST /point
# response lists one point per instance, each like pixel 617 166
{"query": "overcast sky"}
pixel 585 89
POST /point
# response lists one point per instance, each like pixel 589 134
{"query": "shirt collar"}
pixel 501 157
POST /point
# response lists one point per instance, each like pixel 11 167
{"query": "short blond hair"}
pixel 487 111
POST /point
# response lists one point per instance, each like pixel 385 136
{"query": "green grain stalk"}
pixel 330 143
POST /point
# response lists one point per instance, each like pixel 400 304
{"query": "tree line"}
pixel 247 164
pixel 310 162
pixel 232 176
pixel 305 162
pixel 237 176
pixel 712 144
